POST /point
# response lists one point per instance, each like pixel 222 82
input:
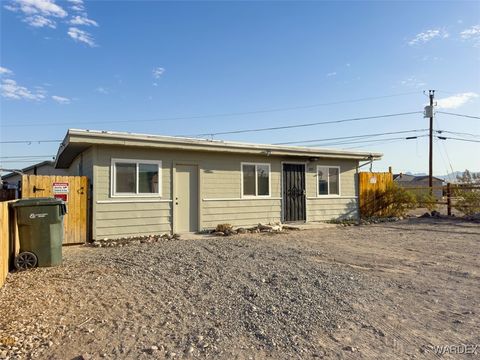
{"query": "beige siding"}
pixel 220 192
pixel 333 207
pixel 241 212
pixel 82 165
pixel 125 219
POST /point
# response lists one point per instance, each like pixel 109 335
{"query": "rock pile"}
pixel 130 240
pixel 228 230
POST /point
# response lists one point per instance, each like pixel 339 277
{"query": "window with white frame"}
pixel 255 179
pixel 136 177
pixel 328 180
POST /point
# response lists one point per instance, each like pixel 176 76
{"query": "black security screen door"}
pixel 294 192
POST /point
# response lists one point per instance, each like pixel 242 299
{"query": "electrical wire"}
pixel 368 141
pixel 444 146
pixel 22 161
pixel 29 142
pixel 457 133
pixel 378 144
pixel 304 125
pixel 26 156
pixel 228 114
pixel 461 115
pixel 443 159
pixel 455 138
pixel 349 137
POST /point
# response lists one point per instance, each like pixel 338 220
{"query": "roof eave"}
pixel 83 139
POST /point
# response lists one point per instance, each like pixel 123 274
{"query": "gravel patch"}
pixel 222 298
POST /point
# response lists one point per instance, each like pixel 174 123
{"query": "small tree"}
pixel 468 199
pixel 426 200
pixel 469 177
pixel 393 201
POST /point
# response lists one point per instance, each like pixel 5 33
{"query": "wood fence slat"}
pixel 75 222
pixel 370 185
pixel 4 241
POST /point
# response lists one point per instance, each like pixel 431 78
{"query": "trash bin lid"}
pixel 38 202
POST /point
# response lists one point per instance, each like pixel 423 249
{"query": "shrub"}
pixel 468 201
pixel 426 200
pixel 391 202
pixel 223 227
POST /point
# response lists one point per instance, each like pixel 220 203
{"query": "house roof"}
pixel 413 178
pixel 28 168
pixel 77 141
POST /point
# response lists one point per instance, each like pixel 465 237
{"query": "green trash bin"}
pixel 40 230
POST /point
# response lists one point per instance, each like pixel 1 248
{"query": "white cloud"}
pixel 83 20
pixel 38 13
pixel 412 81
pixel 472 33
pixel 455 101
pixel 39 21
pixel 102 90
pixel 44 7
pixel 61 99
pixel 11 90
pixel 157 72
pixel 427 36
pixel 77 5
pixel 5 71
pixel 330 74
pixel 81 36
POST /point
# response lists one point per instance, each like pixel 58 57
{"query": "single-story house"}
pixel 149 184
pixel 42 168
pixel 420 184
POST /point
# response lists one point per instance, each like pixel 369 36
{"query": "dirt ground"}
pixel 385 291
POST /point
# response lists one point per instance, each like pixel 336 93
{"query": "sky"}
pixel 190 68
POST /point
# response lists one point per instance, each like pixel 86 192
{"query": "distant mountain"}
pixel 451 177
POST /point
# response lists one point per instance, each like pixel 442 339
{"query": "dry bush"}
pixel 467 201
pixel 426 200
pixel 391 202
pixel 223 227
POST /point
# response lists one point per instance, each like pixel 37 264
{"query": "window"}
pixel 136 177
pixel 328 178
pixel 255 179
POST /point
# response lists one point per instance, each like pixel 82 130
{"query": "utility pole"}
pixel 431 95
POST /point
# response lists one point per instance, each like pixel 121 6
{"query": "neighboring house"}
pixel 419 182
pixel 43 168
pixel 148 184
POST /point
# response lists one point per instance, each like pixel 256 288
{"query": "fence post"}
pixel 449 200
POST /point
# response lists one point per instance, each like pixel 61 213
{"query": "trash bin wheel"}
pixel 25 260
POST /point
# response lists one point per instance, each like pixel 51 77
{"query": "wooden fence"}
pixel 74 190
pixel 4 241
pixel 7 194
pixel 371 186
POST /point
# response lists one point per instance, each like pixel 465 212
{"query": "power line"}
pixel 455 138
pixel 348 137
pixel 21 161
pixel 456 132
pixel 26 156
pixel 228 114
pixel 29 142
pixel 304 125
pixel 368 141
pixel 369 144
pixel 461 115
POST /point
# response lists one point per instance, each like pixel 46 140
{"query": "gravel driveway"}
pixel 391 290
